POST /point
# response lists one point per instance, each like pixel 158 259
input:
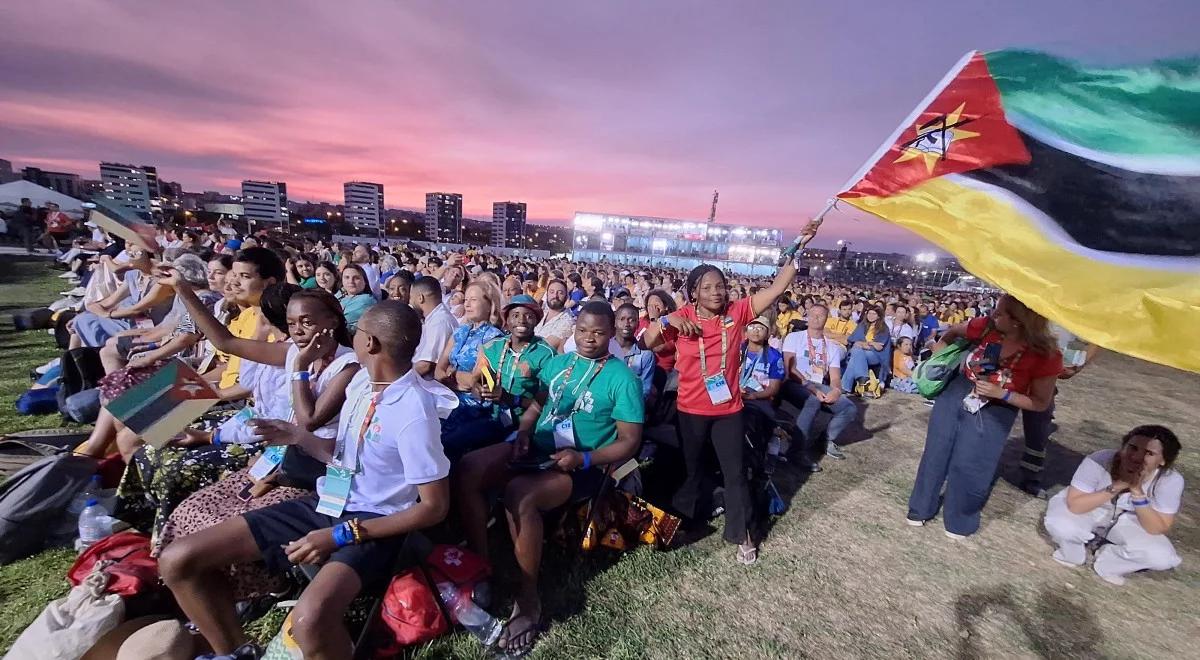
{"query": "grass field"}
pixel 840 574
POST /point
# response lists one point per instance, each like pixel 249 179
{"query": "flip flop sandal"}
pixel 747 557
pixel 533 633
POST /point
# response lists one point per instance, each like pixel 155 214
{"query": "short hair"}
pixel 403 275
pixel 225 259
pixel 626 306
pixel 395 325
pixel 266 262
pixel 274 303
pixel 698 273
pixel 601 309
pixel 427 286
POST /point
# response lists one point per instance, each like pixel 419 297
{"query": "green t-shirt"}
pixel 520 376
pixel 598 399
pixel 308 283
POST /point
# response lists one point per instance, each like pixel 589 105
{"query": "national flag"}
pixel 1075 189
pixel 124 222
pixel 160 407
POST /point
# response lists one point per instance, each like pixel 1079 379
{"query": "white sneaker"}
pixel 915 523
pixel 41 371
pixel 77 291
pixel 955 537
pixel 1062 561
pixel 68 275
pixel 61 304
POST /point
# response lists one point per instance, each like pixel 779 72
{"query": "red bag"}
pixel 412 612
pixel 132 571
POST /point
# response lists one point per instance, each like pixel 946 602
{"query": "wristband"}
pixel 301 376
pixel 216 439
pixel 664 321
pixel 1142 502
pixel 587 459
pixel 1007 394
pixel 342 536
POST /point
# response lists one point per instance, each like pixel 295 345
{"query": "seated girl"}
pixel 902 367
pixel 356 295
pixel 1126 498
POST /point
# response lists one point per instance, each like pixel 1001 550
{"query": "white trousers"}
pixel 1130 547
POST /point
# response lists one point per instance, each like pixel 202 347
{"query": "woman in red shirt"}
pixel 1011 367
pixel 708 336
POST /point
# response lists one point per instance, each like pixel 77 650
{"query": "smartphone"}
pixel 991 358
pixel 246 493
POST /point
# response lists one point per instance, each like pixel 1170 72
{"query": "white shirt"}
pixel 439 326
pixel 342 357
pixel 614 348
pixel 372 272
pixel 799 344
pixel 1074 349
pixel 1092 476
pixel 904 330
pixel 402 446
pixel 269 385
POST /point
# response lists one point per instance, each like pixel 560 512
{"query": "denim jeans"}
pixel 860 363
pixel 844 412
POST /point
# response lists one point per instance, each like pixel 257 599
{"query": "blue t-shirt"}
pixel 760 369
pixel 641 362
pixel 929 327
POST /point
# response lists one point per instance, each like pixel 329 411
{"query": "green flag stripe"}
pixel 1150 112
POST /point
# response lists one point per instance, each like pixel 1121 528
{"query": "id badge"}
pixel 272 457
pixel 973 403
pixel 718 389
pixel 752 384
pixel 816 374
pixel 334 490
pixel 564 434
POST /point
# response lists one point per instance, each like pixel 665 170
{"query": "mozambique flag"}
pixel 123 222
pixel 161 406
pixel 1075 189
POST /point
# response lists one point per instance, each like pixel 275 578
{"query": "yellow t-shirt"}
pixel 783 320
pixel 840 327
pixel 244 326
pixel 901 365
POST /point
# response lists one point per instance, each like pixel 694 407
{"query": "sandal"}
pixel 529 634
pixel 747 554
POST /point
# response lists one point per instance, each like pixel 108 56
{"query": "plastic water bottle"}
pixel 89 492
pixel 484 626
pixel 94 523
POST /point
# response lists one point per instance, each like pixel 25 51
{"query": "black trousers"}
pixel 728 436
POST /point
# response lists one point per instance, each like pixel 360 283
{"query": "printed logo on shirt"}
pixel 585 402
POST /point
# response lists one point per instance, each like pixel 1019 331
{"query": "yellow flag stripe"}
pixel 1141 311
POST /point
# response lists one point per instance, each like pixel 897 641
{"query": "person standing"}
pixel 1039 424
pixel 708 336
pixel 1012 367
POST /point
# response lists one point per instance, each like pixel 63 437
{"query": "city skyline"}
pixel 616 108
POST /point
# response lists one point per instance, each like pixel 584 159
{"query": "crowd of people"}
pixel 369 393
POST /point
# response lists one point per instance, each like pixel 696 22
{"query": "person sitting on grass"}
pixel 387 477
pixel 587 414
pixel 814 381
pixel 761 379
pixel 902 367
pixel 870 346
pixel 1126 497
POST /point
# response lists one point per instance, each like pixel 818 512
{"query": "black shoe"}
pixel 808 466
pixel 1035 489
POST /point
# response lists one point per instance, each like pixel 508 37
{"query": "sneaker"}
pixel 807 465
pixel 1062 561
pixel 61 304
pixel 834 451
pixel 955 537
pixel 1035 489
pixel 77 291
pixel 41 371
pixel 928 403
pixel 915 523
pixel 68 275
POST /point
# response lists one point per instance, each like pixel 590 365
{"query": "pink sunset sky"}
pixel 617 106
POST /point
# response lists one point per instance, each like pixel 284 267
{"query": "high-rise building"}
pixel 508 224
pixel 134 187
pixel 364 204
pixel 265 202
pixel 63 182
pixel 443 217
pixel 6 171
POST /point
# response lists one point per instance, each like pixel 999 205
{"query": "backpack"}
pixel 412 612
pixel 32 319
pixel 131 569
pixel 81 370
pixel 42 401
pixel 932 375
pixel 33 500
pixel 62 336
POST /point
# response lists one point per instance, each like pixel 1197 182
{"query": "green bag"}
pixel 932 375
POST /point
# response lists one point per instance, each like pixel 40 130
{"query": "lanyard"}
pixel 363 427
pixel 516 361
pixel 584 383
pixel 724 347
pixel 749 373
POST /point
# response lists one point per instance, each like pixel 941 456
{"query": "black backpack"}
pixel 81 370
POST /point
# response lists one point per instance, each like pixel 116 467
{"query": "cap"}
pixel 526 301
pixel 233 244
pixel 761 320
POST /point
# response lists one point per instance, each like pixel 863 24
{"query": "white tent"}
pixel 12 192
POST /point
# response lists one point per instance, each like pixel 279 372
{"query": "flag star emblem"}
pixel 935 137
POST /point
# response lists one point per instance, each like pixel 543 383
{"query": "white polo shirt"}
pixel 437 329
pixel 402 444
pixel 1092 476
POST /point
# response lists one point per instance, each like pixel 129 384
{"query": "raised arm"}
pixel 765 299
pixel 272 353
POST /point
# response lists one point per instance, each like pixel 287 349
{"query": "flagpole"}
pixel 807 233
